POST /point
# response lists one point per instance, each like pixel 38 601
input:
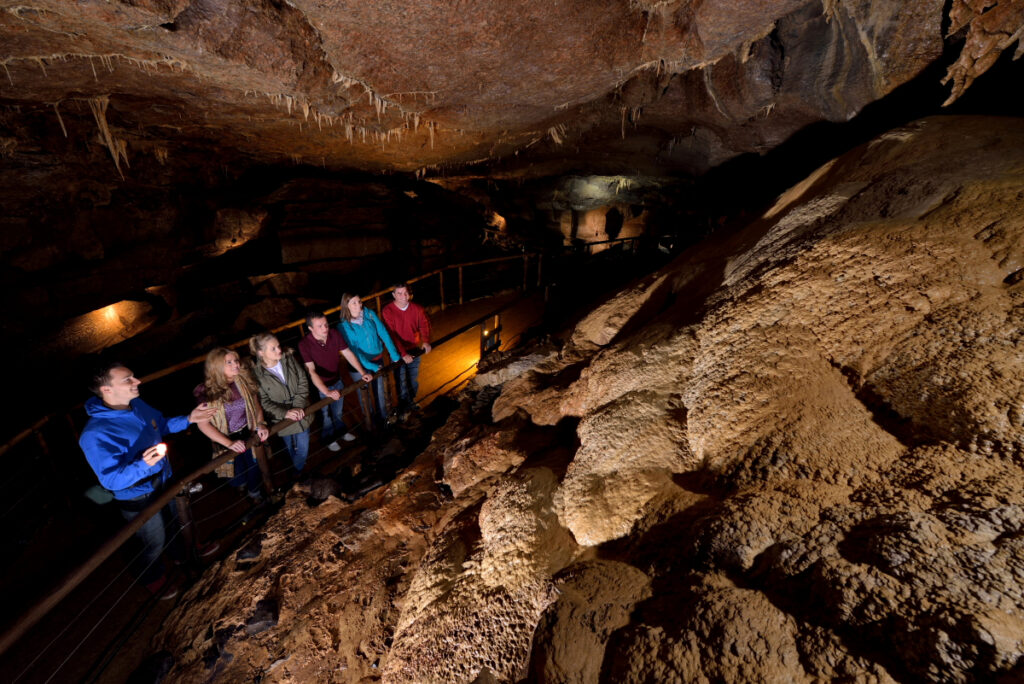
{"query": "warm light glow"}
pixel 100 328
pixel 498 221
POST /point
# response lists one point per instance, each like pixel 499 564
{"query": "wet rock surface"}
pixel 804 464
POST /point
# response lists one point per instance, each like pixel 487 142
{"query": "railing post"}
pixel 188 529
pixel 260 452
pixel 460 286
pixel 377 298
pixel 392 391
pixel 369 405
pixel 441 274
pixel 43 446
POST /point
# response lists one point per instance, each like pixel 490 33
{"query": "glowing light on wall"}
pixel 100 328
pixel 498 221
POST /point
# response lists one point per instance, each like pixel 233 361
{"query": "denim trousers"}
pixel 332 414
pixel 298 448
pixel 247 473
pixel 408 381
pixel 153 536
pixel 380 411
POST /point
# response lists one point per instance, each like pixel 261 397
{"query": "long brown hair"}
pixel 346 315
pixel 217 386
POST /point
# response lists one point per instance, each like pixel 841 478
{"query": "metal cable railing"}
pixel 177 490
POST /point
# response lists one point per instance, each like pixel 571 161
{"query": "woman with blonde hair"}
pixel 229 388
pixel 284 393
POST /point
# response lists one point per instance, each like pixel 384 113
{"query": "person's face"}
pixel 231 366
pixel 355 307
pixel 319 329
pixel 401 296
pixel 271 353
pixel 121 389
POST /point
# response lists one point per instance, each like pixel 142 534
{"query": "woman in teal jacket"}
pixel 368 338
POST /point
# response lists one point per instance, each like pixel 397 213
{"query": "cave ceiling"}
pixel 529 88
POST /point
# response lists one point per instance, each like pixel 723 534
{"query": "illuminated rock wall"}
pixel 795 454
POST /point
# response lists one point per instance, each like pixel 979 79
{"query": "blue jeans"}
pixel 407 378
pixel 378 413
pixel 334 422
pixel 152 535
pixel 247 473
pixel 298 448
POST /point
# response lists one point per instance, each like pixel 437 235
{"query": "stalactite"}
pixel 828 10
pixel 59 119
pixel 118 148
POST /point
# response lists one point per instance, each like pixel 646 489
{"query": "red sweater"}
pixel 409 328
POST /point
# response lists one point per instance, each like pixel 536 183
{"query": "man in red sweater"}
pixel 410 329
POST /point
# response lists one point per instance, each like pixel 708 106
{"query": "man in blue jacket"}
pixel 122 442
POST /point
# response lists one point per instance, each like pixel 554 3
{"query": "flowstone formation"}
pixel 795 454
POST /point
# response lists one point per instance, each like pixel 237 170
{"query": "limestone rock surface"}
pixel 804 463
pixel 368 85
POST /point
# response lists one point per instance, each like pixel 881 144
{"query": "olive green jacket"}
pixel 277 398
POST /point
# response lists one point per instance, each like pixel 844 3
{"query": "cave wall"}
pixel 793 454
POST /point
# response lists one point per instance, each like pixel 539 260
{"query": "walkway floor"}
pixel 107 615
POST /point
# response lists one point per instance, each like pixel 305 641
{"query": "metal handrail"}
pixel 79 574
pixel 327 312
pixel 156 375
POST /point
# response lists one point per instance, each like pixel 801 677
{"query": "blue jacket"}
pixel 367 341
pixel 113 442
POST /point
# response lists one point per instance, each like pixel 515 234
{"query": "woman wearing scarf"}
pixel 230 389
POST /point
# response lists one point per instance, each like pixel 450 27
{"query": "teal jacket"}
pixel 368 341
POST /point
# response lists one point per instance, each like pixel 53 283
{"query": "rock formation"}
pixel 802 461
pixel 682 84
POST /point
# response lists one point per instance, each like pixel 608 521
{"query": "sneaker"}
pixel 334 446
pixel 207 550
pixel 348 437
pixel 162 589
pixel 202 551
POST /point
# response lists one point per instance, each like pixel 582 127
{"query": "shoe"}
pixel 256 498
pixel 162 589
pixel 348 437
pixel 207 550
pixel 334 446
